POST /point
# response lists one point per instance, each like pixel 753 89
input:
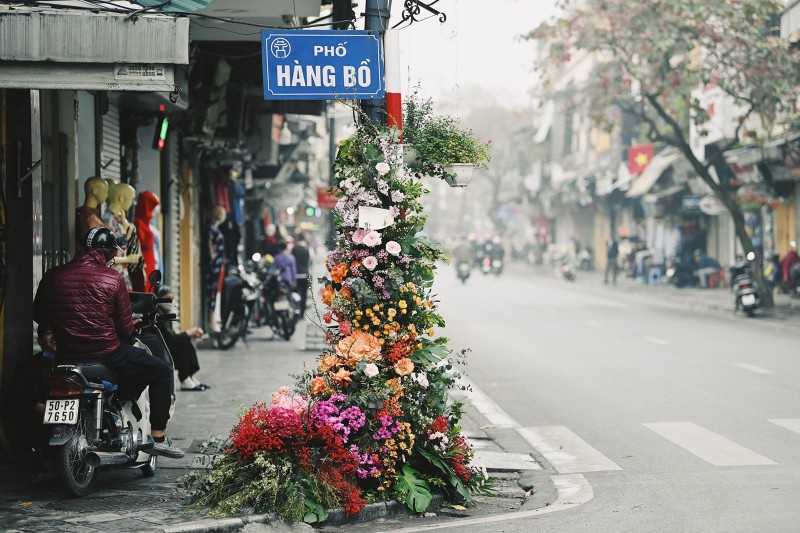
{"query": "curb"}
pixel 336 517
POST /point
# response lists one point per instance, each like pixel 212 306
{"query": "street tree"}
pixel 653 54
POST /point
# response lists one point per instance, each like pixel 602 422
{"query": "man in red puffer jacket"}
pixel 87 307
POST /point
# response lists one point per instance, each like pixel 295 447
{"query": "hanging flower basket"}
pixel 459 175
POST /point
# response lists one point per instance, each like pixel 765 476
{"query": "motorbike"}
pixel 747 295
pixel 91 425
pixel 463 270
pixel 240 293
pixel 277 305
pixel 680 272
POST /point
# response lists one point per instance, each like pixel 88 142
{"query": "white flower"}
pixel 372 238
pixel 370 262
pixel 371 370
pixel 422 379
pixel 398 196
pixel 393 247
pixel 382 168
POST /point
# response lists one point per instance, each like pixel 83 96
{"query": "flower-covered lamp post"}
pixel 372 421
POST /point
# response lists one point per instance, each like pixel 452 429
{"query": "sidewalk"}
pixel 125 501
pixel 718 301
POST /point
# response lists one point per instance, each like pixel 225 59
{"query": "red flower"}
pixel 264 429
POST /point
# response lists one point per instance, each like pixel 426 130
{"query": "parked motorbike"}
pixel 680 272
pixel 463 270
pixel 92 426
pixel 747 295
pixel 240 293
pixel 278 306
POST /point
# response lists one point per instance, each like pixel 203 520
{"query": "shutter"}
pixel 110 153
pixel 172 223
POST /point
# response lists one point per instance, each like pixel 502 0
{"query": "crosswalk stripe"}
pixel 792 424
pixel 566 451
pixel 706 445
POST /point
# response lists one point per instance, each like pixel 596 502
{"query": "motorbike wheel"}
pixel 73 471
pixel 150 467
pixel 751 311
pixel 236 326
pixel 285 325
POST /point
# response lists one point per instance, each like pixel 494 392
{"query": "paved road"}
pixel 680 421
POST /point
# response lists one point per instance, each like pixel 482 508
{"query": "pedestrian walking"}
pixel 285 261
pixel 612 252
pixel 302 259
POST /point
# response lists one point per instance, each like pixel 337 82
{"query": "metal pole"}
pixel 377 19
pixel 332 158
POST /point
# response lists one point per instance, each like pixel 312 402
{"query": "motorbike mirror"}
pixel 751 256
pixel 257 257
pixel 155 278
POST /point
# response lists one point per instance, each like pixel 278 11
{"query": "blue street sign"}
pixel 321 65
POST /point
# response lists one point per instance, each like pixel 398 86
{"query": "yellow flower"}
pixel 430 332
pixel 403 311
pixel 402 304
pixel 391 312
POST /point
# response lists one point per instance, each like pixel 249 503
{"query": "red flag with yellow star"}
pixel 639 157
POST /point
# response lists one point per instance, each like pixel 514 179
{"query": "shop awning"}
pixel 650 176
pixel 752 155
pixel 49 48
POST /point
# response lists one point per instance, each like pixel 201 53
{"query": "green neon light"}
pixel 164 128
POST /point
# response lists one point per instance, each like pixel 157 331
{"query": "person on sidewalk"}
pixel 180 345
pixel 788 263
pixel 706 267
pixel 285 261
pixel 302 259
pixel 612 252
pixel 87 307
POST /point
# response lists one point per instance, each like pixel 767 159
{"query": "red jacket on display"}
pixel 86 304
pixel 144 212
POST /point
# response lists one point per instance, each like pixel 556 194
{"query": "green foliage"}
pixel 417 491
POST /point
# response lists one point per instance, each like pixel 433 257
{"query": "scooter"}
pixel 239 295
pixel 278 306
pixel 463 270
pixel 92 426
pixel 747 295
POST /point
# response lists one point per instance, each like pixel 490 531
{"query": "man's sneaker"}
pixel 166 449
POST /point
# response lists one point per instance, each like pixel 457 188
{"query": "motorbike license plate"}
pixel 748 299
pixel 61 412
pixel 282 305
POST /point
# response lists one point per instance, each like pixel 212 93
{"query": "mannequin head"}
pixel 218 214
pixel 272 229
pixel 121 197
pixel 96 190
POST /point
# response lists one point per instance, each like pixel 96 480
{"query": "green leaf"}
pixel 417 491
pixel 452 478
pixel 315 512
pixel 431 354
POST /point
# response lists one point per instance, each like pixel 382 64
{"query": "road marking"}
pixel 753 368
pixel 656 340
pixel 594 324
pixel 566 451
pixel 709 446
pixel 493 413
pixel 573 490
pixel 792 424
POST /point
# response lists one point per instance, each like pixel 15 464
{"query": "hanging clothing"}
pixel 144 213
pixel 221 190
pixel 216 244
pixel 236 200
pixel 233 236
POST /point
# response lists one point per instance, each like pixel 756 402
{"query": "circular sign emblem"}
pixel 280 48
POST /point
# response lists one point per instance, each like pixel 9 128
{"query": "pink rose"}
pixel 371 370
pixel 285 400
pixel 345 328
pixel 382 168
pixel 358 236
pixel 370 262
pixel 393 248
pixel 372 238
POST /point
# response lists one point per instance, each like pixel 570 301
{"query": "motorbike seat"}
pixel 97 372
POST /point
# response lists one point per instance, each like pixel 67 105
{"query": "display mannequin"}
pixel 88 215
pixel 144 213
pixel 128 261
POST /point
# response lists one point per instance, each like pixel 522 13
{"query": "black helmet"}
pixel 101 238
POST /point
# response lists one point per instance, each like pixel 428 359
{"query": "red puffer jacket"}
pixel 86 305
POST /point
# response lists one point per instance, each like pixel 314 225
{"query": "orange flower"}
pixel 358 346
pixel 327 362
pixel 339 272
pixel 404 366
pixel 342 377
pixel 317 386
pixel 327 294
pixel 345 293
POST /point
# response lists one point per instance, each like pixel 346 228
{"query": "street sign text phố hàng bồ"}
pixel 321 65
